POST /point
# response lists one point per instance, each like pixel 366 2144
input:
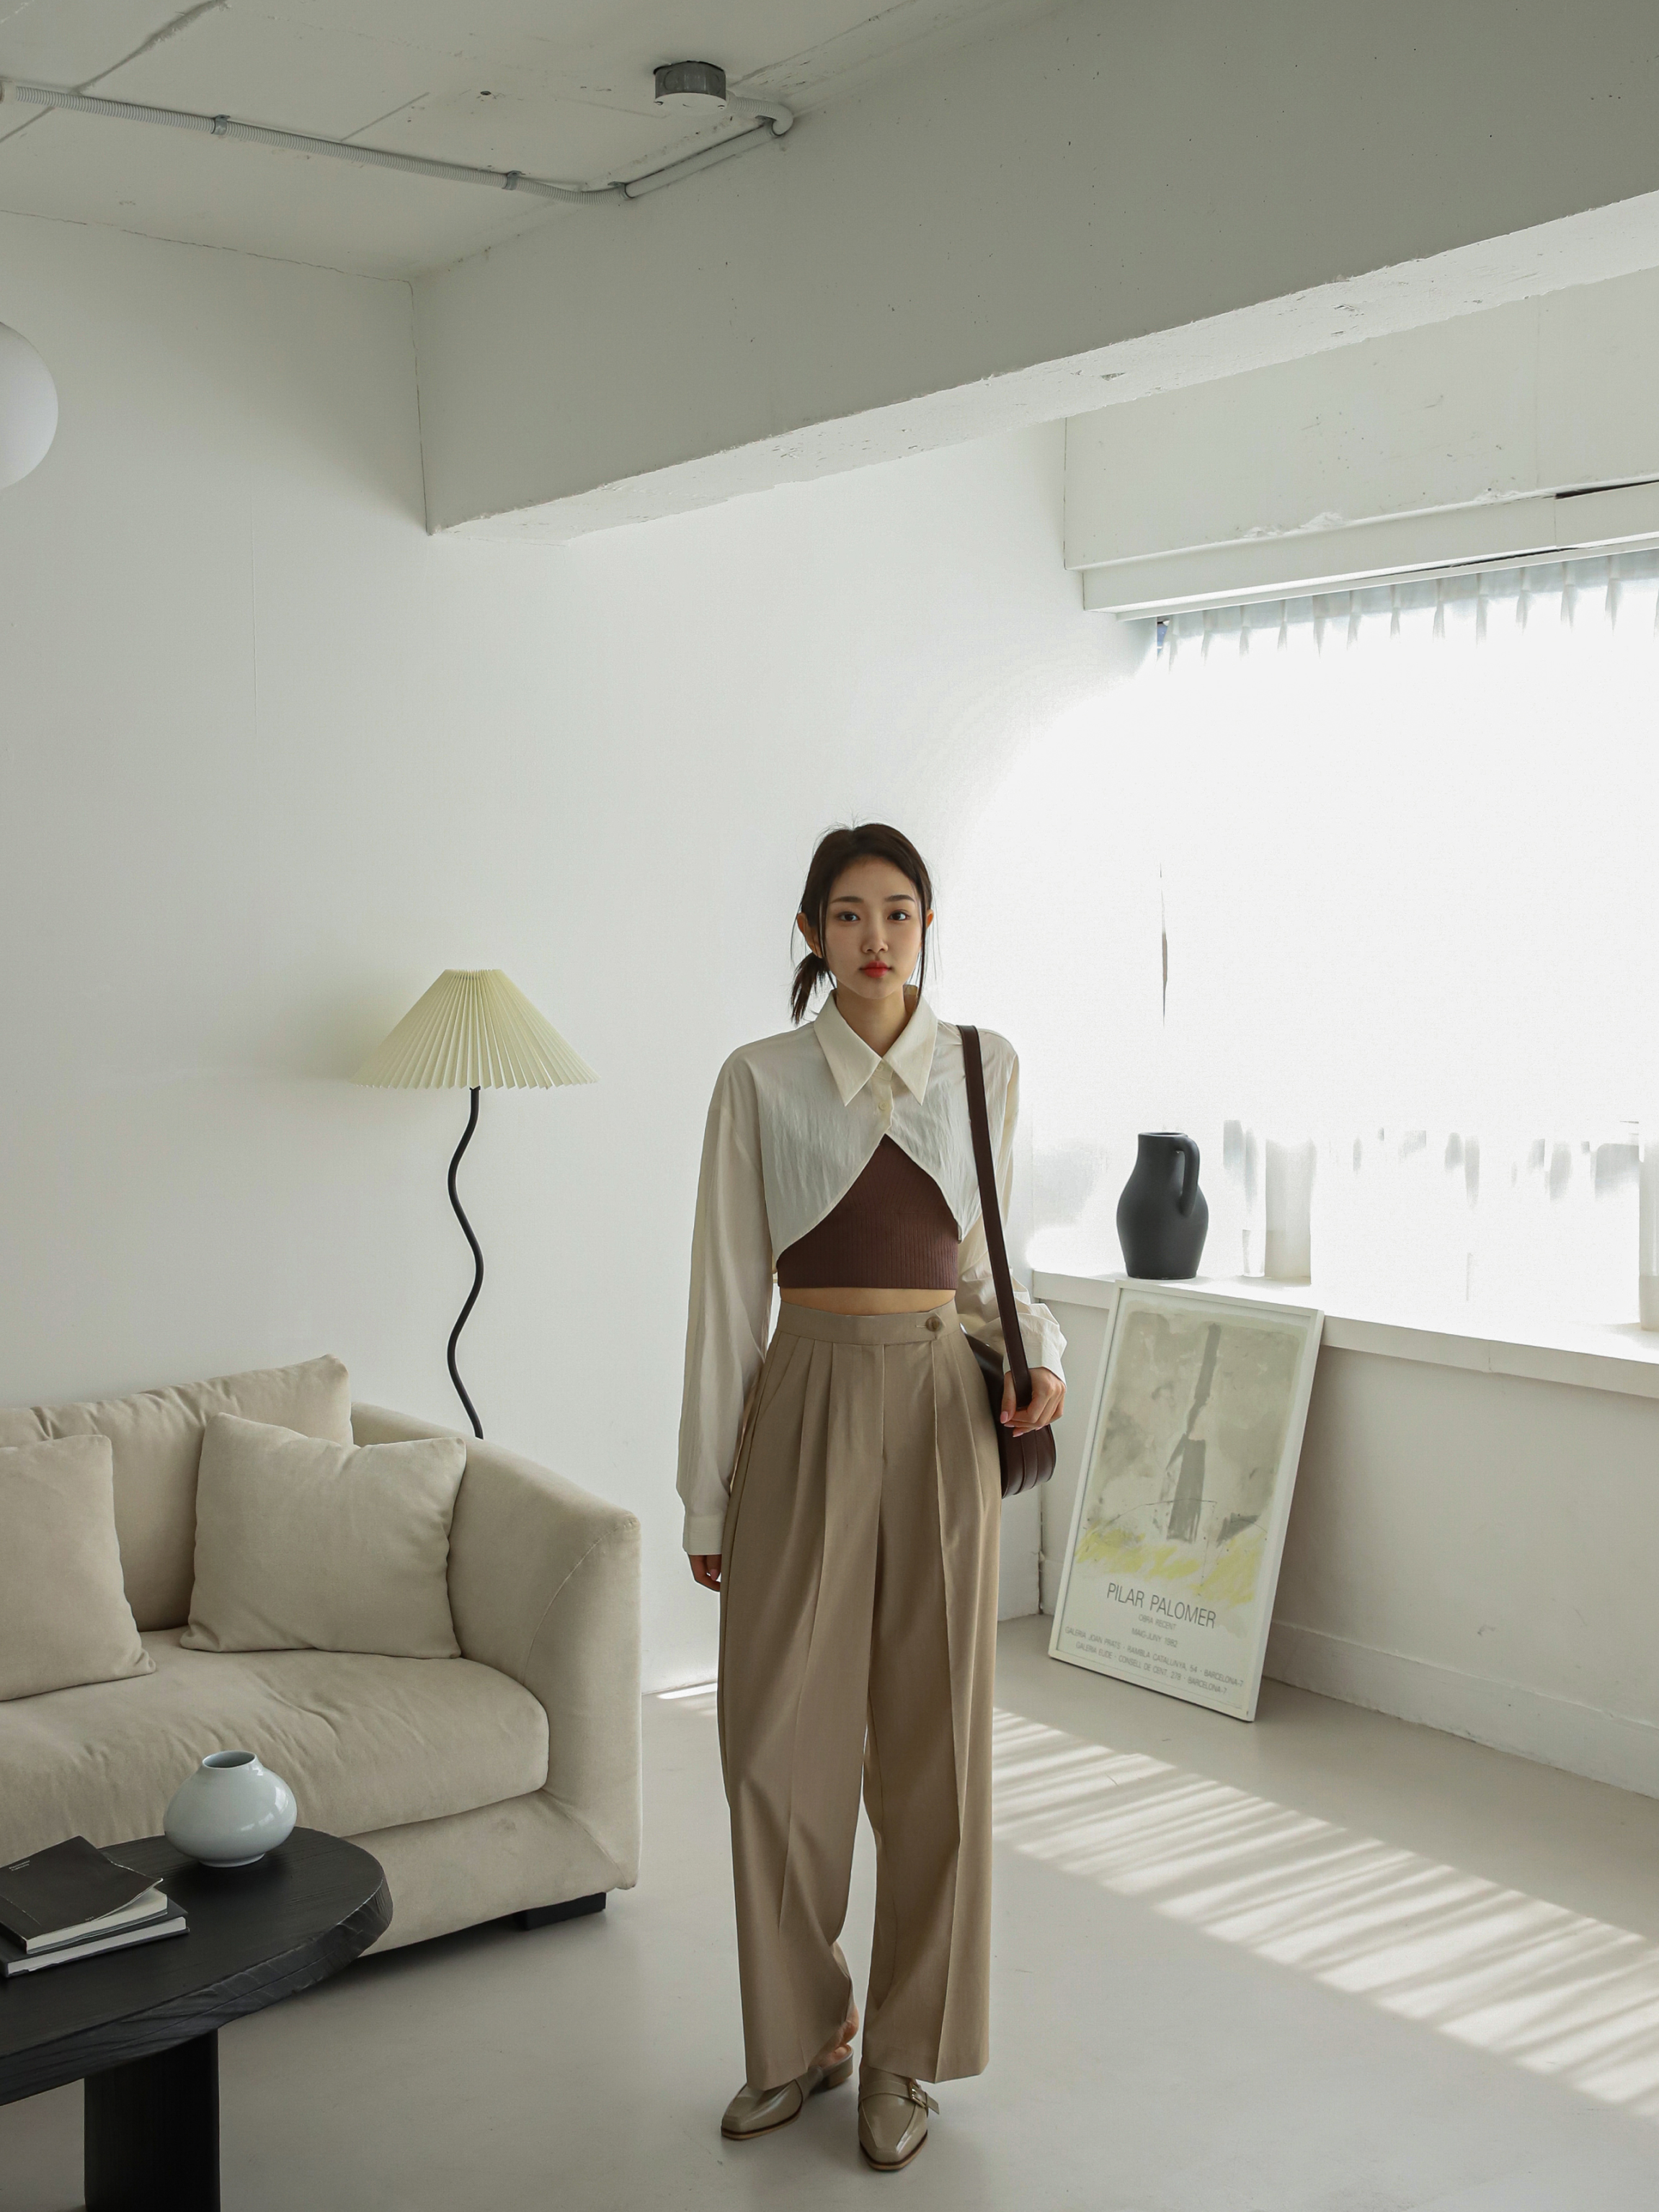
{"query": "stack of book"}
pixel 73 1901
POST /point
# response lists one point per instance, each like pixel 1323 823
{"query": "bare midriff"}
pixel 856 1300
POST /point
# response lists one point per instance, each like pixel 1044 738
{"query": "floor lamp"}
pixel 474 1030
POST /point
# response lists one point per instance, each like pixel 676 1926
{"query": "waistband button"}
pixel 934 1323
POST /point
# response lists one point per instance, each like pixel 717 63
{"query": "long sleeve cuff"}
pixel 1043 1340
pixel 704 1534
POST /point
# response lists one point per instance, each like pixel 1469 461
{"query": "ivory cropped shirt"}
pixel 795 1120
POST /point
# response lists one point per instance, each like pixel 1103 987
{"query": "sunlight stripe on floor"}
pixel 1553 1991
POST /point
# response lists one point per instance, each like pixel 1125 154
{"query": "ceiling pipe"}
pixel 771 120
pixel 339 149
pixel 655 180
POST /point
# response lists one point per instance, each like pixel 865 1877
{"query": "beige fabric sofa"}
pixel 505 1780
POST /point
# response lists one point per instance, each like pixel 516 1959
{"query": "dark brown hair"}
pixel 837 851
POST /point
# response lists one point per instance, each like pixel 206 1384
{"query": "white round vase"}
pixel 230 1812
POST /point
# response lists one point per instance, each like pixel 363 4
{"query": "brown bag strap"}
pixel 979 1122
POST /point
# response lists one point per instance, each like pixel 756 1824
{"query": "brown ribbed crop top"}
pixel 892 1231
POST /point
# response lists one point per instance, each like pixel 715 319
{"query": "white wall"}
pixel 1067 186
pixel 1467 1549
pixel 270 758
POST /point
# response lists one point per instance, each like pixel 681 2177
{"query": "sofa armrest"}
pixel 545 1586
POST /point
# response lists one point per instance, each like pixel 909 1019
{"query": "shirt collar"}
pixel 851 1063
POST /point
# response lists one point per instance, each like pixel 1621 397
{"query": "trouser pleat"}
pixel 969 1549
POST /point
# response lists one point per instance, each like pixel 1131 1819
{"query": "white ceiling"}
pixel 558 89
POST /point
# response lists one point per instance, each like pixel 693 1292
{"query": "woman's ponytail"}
pixel 836 852
pixel 809 973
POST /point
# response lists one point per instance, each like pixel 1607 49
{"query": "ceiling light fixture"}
pixel 690 84
pixel 28 407
pixel 766 119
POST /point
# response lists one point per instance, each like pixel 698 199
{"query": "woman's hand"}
pixel 1048 1402
pixel 706 1569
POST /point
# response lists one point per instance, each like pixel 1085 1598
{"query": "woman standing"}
pixel 855 1546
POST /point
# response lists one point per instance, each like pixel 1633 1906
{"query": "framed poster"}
pixel 1188 1461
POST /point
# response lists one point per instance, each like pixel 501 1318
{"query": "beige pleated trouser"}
pixel 858 1634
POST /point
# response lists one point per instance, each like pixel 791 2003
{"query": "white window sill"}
pixel 1613 1356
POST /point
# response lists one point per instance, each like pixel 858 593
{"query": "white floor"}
pixel 1325 1961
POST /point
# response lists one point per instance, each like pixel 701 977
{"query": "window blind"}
pixel 1376 867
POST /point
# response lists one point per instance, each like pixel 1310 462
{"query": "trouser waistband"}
pixel 865 1328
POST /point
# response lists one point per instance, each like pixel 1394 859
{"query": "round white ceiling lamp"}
pixel 697 86
pixel 28 407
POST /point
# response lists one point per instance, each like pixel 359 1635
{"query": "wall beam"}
pixel 1102 200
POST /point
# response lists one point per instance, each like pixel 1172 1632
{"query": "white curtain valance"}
pixel 1617 591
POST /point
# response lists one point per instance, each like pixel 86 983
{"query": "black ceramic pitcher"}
pixel 1161 1217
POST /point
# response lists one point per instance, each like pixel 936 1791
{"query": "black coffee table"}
pixel 142 2024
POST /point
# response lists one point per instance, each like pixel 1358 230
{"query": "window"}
pixel 1400 844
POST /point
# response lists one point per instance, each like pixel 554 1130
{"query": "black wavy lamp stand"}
pixel 477 1262
pixel 473 1029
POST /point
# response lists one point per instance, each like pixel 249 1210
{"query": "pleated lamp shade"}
pixel 474 1030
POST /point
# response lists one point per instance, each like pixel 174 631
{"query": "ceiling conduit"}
pixel 769 120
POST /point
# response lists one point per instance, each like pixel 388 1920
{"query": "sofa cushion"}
pixel 304 1544
pixel 157 1440
pixel 64 1616
pixel 364 1742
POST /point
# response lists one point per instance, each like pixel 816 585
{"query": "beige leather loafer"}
pixel 892 2117
pixel 757 2111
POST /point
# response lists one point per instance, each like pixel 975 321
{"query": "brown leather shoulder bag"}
pixel 1029 1459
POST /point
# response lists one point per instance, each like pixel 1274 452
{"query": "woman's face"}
pixel 872 930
